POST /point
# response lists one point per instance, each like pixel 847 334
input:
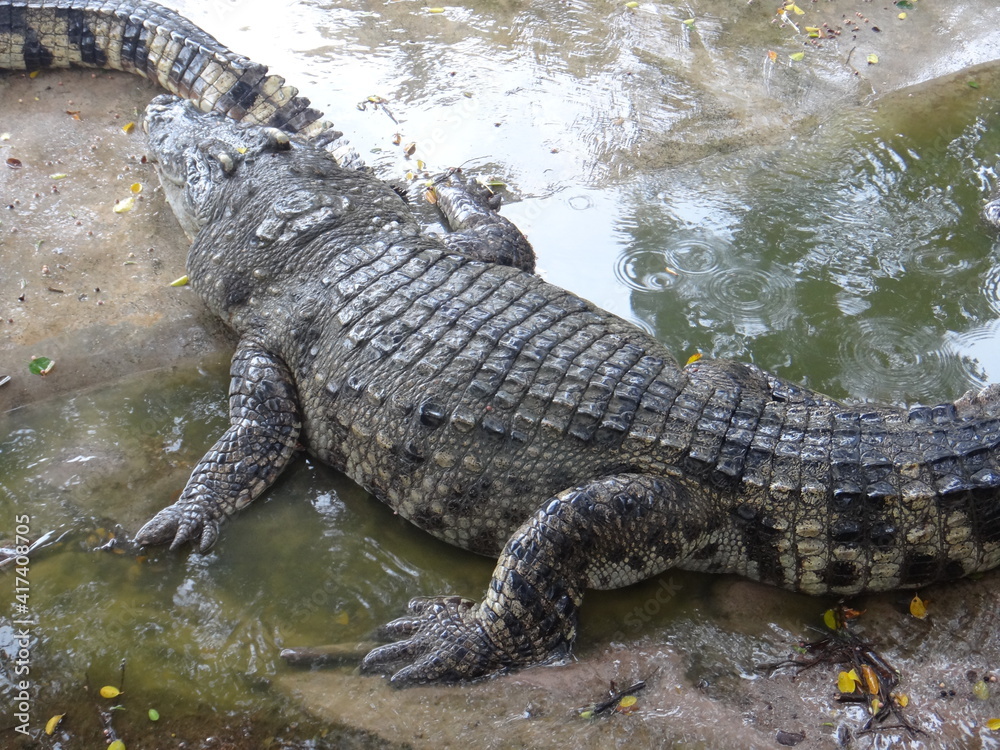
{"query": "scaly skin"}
pixel 512 418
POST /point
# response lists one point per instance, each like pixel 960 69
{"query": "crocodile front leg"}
pixel 615 531
pixel 262 438
pixel 478 231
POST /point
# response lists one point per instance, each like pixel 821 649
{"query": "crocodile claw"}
pixel 443 639
pixel 182 522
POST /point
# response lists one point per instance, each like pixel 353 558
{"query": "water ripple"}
pixel 884 359
pixel 991 287
pixel 649 270
pixel 753 300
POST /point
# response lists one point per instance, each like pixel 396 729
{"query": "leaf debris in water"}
pixel 14 163
pixel 124 205
pixel 918 607
pixel 128 127
pixel 182 281
pixel 51 724
pixel 110 691
pixel 41 365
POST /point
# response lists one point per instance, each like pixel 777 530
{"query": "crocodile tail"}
pixel 138 36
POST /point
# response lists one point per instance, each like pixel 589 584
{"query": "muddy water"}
pixel 833 243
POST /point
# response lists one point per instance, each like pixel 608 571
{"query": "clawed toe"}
pixel 440 639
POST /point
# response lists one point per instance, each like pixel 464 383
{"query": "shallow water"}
pixel 847 255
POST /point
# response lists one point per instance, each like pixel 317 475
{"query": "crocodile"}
pixel 157 43
pixel 512 418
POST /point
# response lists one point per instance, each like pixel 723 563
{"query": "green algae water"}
pixel 848 256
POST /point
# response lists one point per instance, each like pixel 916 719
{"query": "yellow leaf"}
pixel 993 724
pixel 34 74
pixel 872 59
pixel 795 9
pixel 632 4
pixel 901 16
pixel 435 10
pixel 342 619
pixel 117 745
pixel 124 205
pixel 918 608
pixel 628 700
pixel 128 127
pixel 58 176
pixel 136 188
pixel 772 55
pixel 693 358
pixel 689 22
pixel 847 681
pixel 110 691
pixel 830 619
pixel 981 690
pixel 813 32
pixel 876 706
pixel 51 724
pixel 796 56
pixel 902 699
pixel 241 149
pixel 182 281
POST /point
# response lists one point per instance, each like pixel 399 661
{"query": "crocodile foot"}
pixel 187 520
pixel 440 639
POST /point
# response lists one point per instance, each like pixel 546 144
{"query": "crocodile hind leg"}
pixel 261 440
pixel 609 533
pixel 478 231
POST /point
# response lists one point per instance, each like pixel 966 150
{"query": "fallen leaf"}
pixel 182 281
pixel 124 205
pixel 902 699
pixel 51 724
pixel 41 365
pixel 117 745
pixel 435 10
pixel 693 358
pixel 632 4
pixel 688 22
pixel 901 16
pixel 58 176
pixel 918 607
pixel 110 691
pixel 847 682
pixel 772 55
pixel 136 188
pixel 981 690
pixel 128 127
pixel 14 163
pixel 154 715
pixel 796 56
pixel 830 619
pixel 872 59
pixel 870 679
pixel 409 148
pixel 993 724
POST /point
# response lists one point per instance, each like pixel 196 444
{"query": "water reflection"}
pixel 850 262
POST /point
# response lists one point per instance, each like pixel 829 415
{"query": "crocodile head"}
pixel 195 154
